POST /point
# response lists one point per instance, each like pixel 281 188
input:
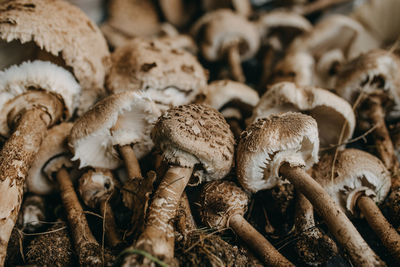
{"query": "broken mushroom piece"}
pixel 223 33
pixel 361 182
pixel 223 205
pixel 33 96
pixel 195 139
pixel 280 147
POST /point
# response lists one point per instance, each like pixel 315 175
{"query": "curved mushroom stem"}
pixel 86 246
pixel 235 127
pixel 382 228
pixel 112 235
pixel 131 162
pixel 269 255
pixel 313 247
pixel 338 223
pixel 235 63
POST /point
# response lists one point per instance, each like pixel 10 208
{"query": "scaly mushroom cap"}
pixel 329 110
pixel 376 72
pixel 196 134
pixel 36 75
pixel 169 76
pixel 272 141
pixel 51 157
pixel 63 30
pixel 219 200
pixel 355 172
pixel 96 186
pixel 217 30
pixel 119 119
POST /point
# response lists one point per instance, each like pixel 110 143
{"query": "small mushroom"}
pixel 223 33
pixel 32 213
pixel 223 205
pixel 360 183
pixel 280 147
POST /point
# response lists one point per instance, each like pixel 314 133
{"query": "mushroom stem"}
pixel 16 158
pixel 235 63
pixel 131 162
pixel 112 235
pixel 86 246
pixel 382 228
pixel 235 127
pixel 338 223
pixel 269 255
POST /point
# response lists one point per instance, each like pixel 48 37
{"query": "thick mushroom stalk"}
pixel 96 188
pixel 34 96
pixel 195 140
pixel 361 182
pixel 223 205
pixel 280 147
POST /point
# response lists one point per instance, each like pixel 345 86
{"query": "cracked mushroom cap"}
pixel 196 134
pixel 52 156
pixel 36 75
pixel 329 110
pixel 272 141
pixel 119 119
pixel 219 201
pixel 376 72
pixel 61 30
pixel 355 172
pixel 168 75
pixel 217 30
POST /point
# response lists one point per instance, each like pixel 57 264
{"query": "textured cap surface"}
pixel 272 141
pixel 196 134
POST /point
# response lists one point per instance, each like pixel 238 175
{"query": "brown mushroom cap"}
pixel 272 141
pixel 36 75
pixel 356 172
pixel 329 110
pixel 219 200
pixel 60 29
pixel 119 119
pixel 196 134
pixel 170 76
pixel 219 29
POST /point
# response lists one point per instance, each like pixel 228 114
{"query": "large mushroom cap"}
pixel 331 112
pixel 119 119
pixel 219 29
pixel 196 134
pixel 272 141
pixel 355 172
pixel 219 200
pixel 36 75
pixel 170 76
pixel 62 30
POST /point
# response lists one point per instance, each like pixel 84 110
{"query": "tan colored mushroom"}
pixel 281 147
pixel 32 214
pixel 195 139
pixel 33 96
pixel 178 12
pixel 62 33
pixel 361 182
pixel 242 7
pixel 223 33
pixel 223 205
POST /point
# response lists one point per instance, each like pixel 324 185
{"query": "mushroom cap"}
pixel 51 157
pixel 272 141
pixel 355 172
pixel 196 134
pixel 219 201
pixel 376 72
pixel 119 119
pixel 170 76
pixel 60 29
pixel 95 186
pixel 36 75
pixel 329 110
pixel 217 30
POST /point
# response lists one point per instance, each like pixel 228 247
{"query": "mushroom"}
pixel 32 213
pixel 280 147
pixel 178 12
pixel 241 7
pixel 33 96
pixel 223 33
pixel 195 139
pixel 223 205
pixel 360 183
